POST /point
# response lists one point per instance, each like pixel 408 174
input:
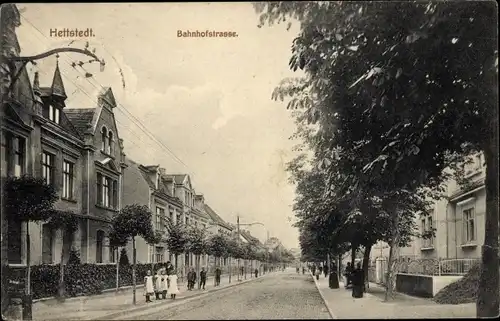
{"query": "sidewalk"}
pixel 342 305
pixel 112 304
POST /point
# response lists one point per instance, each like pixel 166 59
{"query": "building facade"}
pixel 78 151
pixel 458 220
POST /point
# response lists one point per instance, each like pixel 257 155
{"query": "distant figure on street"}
pixel 325 270
pixel 148 286
pixel 203 278
pixel 297 269
pixel 317 274
pixel 358 282
pixel 303 270
pixel 191 278
pixel 242 270
pixel 333 279
pixel 256 272
pixel 313 269
pixel 320 268
pixel 173 289
pixel 218 273
pixel 347 274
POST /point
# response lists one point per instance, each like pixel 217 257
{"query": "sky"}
pixel 200 106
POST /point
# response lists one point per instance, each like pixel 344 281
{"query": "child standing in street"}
pixel 173 289
pixel 148 286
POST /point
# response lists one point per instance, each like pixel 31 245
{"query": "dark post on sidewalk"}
pixel 27 307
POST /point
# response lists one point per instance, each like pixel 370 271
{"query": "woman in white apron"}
pixel 159 284
pixel 173 289
pixel 148 286
pixel 164 278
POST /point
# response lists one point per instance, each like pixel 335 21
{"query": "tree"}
pixel 176 240
pixel 132 221
pixel 217 245
pixel 196 244
pixel 374 59
pixel 28 199
pixel 68 224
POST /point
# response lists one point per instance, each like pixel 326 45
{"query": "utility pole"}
pixel 238 231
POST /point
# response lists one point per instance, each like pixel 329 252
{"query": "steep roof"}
pixel 81 118
pixel 57 84
pixel 216 218
pixel 179 178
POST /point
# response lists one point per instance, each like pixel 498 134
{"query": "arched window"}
pixel 104 134
pixel 110 142
pixel 99 245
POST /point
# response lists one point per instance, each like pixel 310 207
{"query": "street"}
pixel 281 296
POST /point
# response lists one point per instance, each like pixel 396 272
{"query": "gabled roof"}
pixel 179 178
pixel 216 218
pixel 81 118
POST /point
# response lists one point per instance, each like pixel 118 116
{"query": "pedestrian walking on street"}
pixel 313 269
pixel 148 286
pixel 325 270
pixel 256 273
pixel 317 274
pixel 218 273
pixel 203 278
pixel 347 274
pixel 320 268
pixel 358 281
pixel 173 289
pixel 303 270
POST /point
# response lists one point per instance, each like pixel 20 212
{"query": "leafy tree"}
pixel 68 224
pixel 217 245
pixel 405 71
pixel 124 261
pixel 177 240
pixel 196 244
pixel 132 221
pixel 27 199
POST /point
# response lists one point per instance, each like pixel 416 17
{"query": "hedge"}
pixel 81 279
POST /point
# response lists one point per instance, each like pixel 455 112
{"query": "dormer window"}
pixel 104 139
pixel 110 142
pixel 54 114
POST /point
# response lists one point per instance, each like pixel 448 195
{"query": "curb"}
pixel 323 297
pixel 177 301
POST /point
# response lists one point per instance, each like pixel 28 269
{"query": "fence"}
pixel 423 266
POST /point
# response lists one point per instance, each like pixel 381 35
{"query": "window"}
pixel 469 227
pixel 430 227
pixel 479 161
pixel 171 215
pixel 19 150
pixel 179 219
pixel 99 246
pixel 160 218
pixel 159 254
pixel 48 167
pixel 110 143
pixel 107 191
pixel 5 154
pixel 67 179
pixel 112 254
pixel 104 139
pixel 14 241
pixel 54 114
pixel 115 194
pixel 47 244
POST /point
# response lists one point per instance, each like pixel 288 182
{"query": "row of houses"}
pixel 80 152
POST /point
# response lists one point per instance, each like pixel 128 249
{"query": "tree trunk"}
pixel 118 269
pixel 229 269
pixel 354 248
pixel 28 259
pixel 487 304
pixel 366 261
pixel 389 291
pixel 176 260
pixel 134 258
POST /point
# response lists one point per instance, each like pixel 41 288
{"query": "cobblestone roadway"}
pixel 284 295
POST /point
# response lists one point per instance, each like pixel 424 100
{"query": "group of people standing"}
pixel 355 277
pixel 191 278
pixel 165 281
